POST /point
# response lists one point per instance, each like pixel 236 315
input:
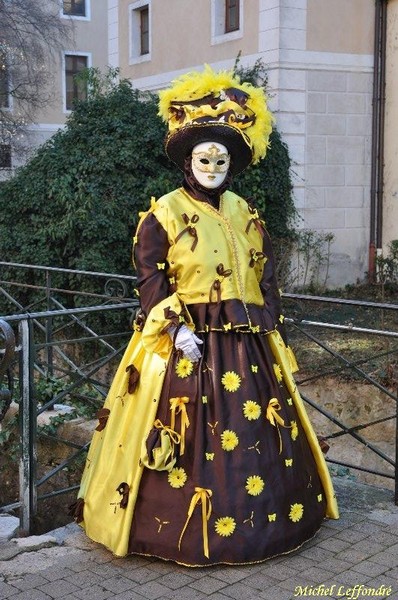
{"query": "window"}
pixel 140 31
pixel 231 15
pixel 74 89
pixel 4 83
pixel 226 20
pixel 74 8
pixel 144 20
pixel 5 156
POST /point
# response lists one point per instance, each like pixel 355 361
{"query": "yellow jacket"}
pixel 205 256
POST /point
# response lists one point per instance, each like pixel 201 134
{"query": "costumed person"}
pixel 204 453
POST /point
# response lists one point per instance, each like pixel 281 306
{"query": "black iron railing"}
pixel 80 347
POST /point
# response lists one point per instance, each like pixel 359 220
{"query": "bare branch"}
pixel 32 34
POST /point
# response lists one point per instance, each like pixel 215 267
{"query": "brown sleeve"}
pixel 269 287
pixel 150 252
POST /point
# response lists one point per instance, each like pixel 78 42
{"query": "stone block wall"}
pixel 323 107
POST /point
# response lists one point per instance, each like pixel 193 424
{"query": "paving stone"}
pixel 59 588
pixel 85 579
pixel 299 562
pixel 280 571
pixel 352 535
pixel 368 527
pixel 351 556
pixel 335 565
pixel 386 558
pixel 368 547
pixel 208 585
pixel 393 549
pixel 187 593
pixel 152 590
pixel 95 592
pixel 52 574
pixel 260 580
pixel 31 595
pixel 6 590
pixel 239 591
pixel 107 570
pixel 129 595
pixel 370 568
pixel 392 573
pixel 334 544
pixel 117 584
pixel 276 593
pixel 80 566
pixel 231 574
pixel 141 574
pixel 350 578
pixel 173 580
pixel 29 581
pixel 317 554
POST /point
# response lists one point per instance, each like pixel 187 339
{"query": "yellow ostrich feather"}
pixel 196 85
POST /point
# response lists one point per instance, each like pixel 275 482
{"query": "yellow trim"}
pixel 282 357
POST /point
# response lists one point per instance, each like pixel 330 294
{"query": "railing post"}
pixel 396 453
pixel 49 327
pixel 27 471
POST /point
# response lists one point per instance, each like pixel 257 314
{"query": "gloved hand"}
pixel 186 341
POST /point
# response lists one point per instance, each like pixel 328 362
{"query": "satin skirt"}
pixel 245 484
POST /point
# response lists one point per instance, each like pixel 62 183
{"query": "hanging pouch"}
pixel 157 451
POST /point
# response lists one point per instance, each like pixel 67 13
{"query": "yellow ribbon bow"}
pixel 275 419
pixel 178 406
pixel 173 434
pixel 202 496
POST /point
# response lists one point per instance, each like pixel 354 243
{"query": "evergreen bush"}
pixel 76 203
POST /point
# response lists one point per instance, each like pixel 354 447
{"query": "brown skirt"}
pixel 245 486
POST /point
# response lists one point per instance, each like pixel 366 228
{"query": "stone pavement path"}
pixel 355 557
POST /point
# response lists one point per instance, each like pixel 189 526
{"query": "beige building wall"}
pixel 182 37
pixel 390 220
pixel 88 36
pixel 338 116
pixel 319 58
pixel 340 26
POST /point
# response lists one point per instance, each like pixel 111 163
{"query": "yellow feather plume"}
pixel 196 85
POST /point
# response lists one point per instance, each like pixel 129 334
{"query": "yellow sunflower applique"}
pixel 231 381
pixel 294 430
pixel 229 440
pixel 184 367
pixel 278 373
pixel 177 477
pixel 251 410
pixel 296 512
pixel 225 526
pixel 254 485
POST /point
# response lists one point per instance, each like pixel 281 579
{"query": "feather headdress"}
pixel 215 106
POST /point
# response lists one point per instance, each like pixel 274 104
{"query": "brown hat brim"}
pixel 180 143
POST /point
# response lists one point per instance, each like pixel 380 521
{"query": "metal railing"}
pixel 50 343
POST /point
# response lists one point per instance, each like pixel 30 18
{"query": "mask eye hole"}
pixel 204 161
pixel 221 162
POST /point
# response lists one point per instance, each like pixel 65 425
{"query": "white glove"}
pixel 186 341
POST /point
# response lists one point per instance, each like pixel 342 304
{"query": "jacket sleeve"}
pixel 272 299
pixel 150 258
pixel 160 308
pixel 269 288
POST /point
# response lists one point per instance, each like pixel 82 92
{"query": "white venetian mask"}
pixel 210 164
